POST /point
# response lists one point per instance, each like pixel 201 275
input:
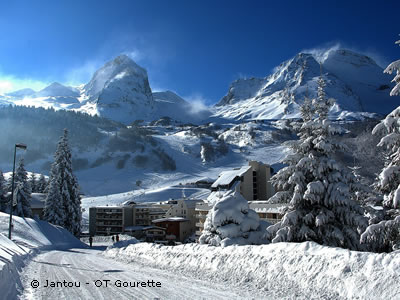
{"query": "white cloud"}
pixel 82 74
pixel 135 55
pixel 10 83
pixel 321 53
pixel 197 103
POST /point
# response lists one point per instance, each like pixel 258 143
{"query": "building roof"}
pixel 171 219
pixel 128 203
pixel 142 228
pixel 263 206
pixel 191 203
pixel 203 206
pixel 110 207
pixel 38 200
pixel 226 177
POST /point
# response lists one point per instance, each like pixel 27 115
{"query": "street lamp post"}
pixel 21 146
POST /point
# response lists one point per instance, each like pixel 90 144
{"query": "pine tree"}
pixel 320 192
pixel 33 183
pixel 22 191
pixel 3 201
pixel 395 66
pixel 385 236
pixel 42 184
pixel 283 180
pixel 63 205
pixel 54 209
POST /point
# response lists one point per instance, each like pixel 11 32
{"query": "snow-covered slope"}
pixel 356 82
pixel 28 236
pixel 169 104
pixel 278 271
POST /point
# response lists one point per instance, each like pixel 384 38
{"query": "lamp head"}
pixel 21 146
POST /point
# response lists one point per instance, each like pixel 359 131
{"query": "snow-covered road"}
pixel 87 268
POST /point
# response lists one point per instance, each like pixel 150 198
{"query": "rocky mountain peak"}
pixel 354 80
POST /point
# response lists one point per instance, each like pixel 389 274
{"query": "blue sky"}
pixel 195 48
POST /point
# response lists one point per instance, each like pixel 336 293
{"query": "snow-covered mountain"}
pixel 57 90
pixel 356 82
pixel 21 93
pixel 119 91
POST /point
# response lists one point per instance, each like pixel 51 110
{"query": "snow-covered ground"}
pixel 276 271
pixel 47 254
pixel 28 237
pixel 85 267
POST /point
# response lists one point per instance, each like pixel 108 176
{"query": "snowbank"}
pixel 123 243
pixel 28 236
pixel 11 260
pixel 288 270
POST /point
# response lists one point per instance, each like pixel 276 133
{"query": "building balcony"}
pixel 201 216
pixel 104 224
pixel 273 221
pixel 101 217
pixel 103 211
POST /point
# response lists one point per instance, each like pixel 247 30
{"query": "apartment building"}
pixel 137 218
pixel 272 213
pixel 202 209
pixel 185 208
pixel 254 186
pixel 109 220
pixel 254 181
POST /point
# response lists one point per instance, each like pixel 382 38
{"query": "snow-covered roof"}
pixel 138 228
pixel 226 177
pixel 203 206
pixel 171 219
pixel 191 203
pixel 38 200
pixel 128 203
pixel 262 206
pixel 135 228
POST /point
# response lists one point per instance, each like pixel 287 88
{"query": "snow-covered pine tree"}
pixel 231 221
pixel 54 211
pixel 63 204
pixel 23 207
pixel 3 202
pixel 320 191
pixel 22 191
pixel 283 180
pixel 385 236
pixel 33 183
pixel 395 66
pixel 41 184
